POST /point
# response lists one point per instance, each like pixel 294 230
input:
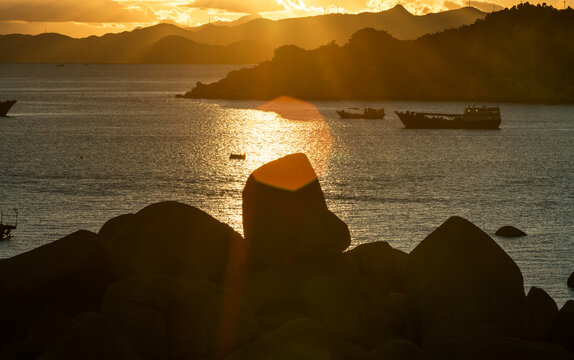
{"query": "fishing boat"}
pixel 6 228
pixel 368 113
pixel 5 106
pixel 237 156
pixel 473 117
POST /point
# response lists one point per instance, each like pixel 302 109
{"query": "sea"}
pixel 86 143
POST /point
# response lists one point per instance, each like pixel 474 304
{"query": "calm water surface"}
pixel 89 142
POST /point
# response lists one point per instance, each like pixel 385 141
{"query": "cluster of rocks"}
pixel 171 282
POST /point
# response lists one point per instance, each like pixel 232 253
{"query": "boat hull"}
pixel 364 115
pixel 5 106
pixel 421 121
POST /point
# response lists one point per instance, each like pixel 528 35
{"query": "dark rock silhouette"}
pixel 285 217
pixel 562 332
pixel 570 281
pixel 461 283
pixel 542 312
pixel 381 263
pixel 91 336
pixel 172 282
pixel 175 239
pixel 183 318
pixel 509 231
pixel 65 277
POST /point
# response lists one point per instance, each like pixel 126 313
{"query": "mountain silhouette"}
pixel 311 32
pixel 256 35
pixel 520 54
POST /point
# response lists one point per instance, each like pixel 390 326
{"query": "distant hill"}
pixel 521 54
pixel 257 36
pixel 162 43
pixel 311 32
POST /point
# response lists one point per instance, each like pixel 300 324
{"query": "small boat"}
pixel 368 113
pixel 5 106
pixel 6 229
pixel 473 117
pixel 237 156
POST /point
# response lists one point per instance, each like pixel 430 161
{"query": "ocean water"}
pixel 88 142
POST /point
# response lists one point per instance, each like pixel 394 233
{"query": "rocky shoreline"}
pixel 172 282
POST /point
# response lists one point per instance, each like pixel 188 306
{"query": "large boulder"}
pixel 66 277
pixel 461 283
pixel 562 331
pixel 542 312
pixel 279 289
pixel 381 263
pixel 90 336
pixel 114 225
pixel 301 338
pixel 285 216
pixel 174 239
pixel 178 318
pixel 354 310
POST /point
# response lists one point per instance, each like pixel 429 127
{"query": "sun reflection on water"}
pixel 270 131
pixel 280 127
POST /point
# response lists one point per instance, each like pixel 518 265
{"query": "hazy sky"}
pixel 80 18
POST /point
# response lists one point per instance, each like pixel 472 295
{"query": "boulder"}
pixel 90 336
pixel 178 318
pixel 354 310
pixel 398 349
pixel 381 263
pixel 542 311
pixel 67 277
pixel 174 239
pixel 570 281
pixel 301 338
pixel 114 225
pixel 341 304
pixel 562 331
pixel 279 289
pixel 461 283
pixel 285 216
pixel 509 231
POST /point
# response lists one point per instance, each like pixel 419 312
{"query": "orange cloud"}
pixel 86 11
pixel 245 7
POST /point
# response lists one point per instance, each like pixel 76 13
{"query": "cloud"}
pixel 234 6
pixel 87 11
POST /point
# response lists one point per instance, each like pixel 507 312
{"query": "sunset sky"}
pixel 81 18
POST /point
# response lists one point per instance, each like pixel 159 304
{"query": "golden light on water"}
pixel 285 126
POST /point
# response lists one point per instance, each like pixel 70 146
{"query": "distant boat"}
pixel 237 156
pixel 5 106
pixel 6 229
pixel 368 113
pixel 474 117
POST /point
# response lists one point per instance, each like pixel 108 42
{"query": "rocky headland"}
pixel 172 282
pixel 522 54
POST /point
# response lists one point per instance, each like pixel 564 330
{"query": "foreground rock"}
pixel 171 282
pixel 174 239
pixel 65 278
pixel 285 216
pixel 174 318
pixel 460 283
